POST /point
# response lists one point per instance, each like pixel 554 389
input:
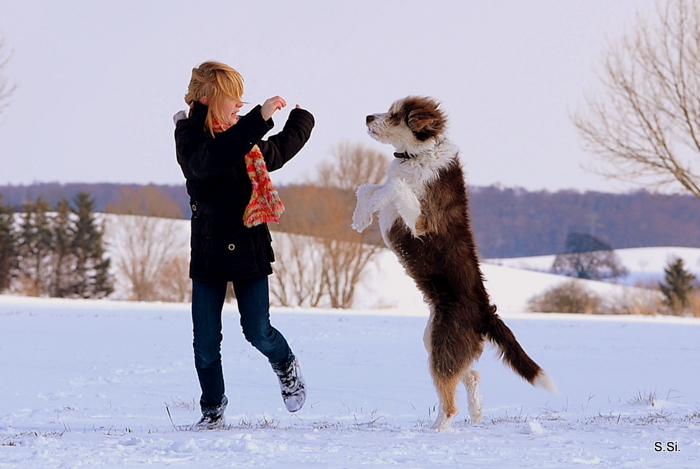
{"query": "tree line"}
pixel 59 250
pixel 53 251
pixel 507 222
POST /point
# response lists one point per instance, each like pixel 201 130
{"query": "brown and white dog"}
pixel 424 218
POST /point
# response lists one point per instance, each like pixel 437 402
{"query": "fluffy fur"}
pixel 424 219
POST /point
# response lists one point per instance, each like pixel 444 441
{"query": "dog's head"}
pixel 411 125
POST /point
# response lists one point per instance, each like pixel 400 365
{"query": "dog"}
pixel 424 219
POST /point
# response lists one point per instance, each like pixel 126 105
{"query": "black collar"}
pixel 407 156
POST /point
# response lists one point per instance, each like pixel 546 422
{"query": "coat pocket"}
pixel 232 247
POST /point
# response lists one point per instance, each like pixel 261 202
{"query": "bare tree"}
pixel 298 280
pixel 343 264
pixel 346 252
pixel 647 126
pixel 351 165
pixel 173 283
pixel 6 88
pixel 147 240
pixel 324 260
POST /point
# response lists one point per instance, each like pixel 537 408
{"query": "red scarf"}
pixel 264 205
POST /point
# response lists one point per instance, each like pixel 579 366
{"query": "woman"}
pixel 226 161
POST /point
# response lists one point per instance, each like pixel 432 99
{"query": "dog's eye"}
pixel 394 118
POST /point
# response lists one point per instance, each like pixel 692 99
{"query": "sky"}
pixel 97 82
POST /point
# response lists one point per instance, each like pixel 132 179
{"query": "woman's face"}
pixel 230 108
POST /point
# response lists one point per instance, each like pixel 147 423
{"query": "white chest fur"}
pixel 400 196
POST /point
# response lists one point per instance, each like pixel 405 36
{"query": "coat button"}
pixel 231 247
pixel 194 207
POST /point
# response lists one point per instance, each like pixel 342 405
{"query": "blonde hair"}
pixel 215 81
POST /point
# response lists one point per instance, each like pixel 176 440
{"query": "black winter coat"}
pixel 222 247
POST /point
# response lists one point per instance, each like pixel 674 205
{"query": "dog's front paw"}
pixel 361 220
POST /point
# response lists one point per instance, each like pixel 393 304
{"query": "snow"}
pixel 512 282
pixel 645 265
pixel 109 384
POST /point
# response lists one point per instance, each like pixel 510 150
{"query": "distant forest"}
pixel 507 222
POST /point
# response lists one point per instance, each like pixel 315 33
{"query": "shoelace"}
pixel 290 381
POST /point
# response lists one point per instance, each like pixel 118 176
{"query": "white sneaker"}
pixel 212 417
pixel 292 385
pixel 209 423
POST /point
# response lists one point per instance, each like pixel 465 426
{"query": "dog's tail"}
pixel 514 355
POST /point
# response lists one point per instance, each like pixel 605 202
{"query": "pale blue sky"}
pixel 98 81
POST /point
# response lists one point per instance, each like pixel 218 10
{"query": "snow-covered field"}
pixel 112 384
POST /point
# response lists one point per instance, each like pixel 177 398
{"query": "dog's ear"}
pixel 425 118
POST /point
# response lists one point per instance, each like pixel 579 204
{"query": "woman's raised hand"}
pixel 271 105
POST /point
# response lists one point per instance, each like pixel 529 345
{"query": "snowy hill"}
pixel 511 282
pixel 644 264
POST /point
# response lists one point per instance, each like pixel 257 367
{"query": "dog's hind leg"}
pixel 428 333
pixel 446 387
pixel 470 378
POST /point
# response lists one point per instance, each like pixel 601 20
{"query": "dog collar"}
pixel 407 156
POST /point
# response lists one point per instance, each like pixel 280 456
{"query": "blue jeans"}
pixel 253 299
